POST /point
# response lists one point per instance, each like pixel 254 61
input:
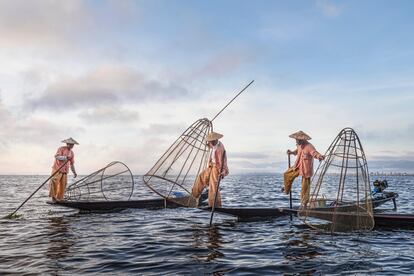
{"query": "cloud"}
pixel 390 155
pixel 390 133
pixel 139 158
pixel 221 64
pixel 392 166
pixel 107 84
pixel 53 24
pixel 162 129
pixel 31 130
pixel 105 114
pixel 249 155
pixel 41 22
pixel 328 8
pixel 239 166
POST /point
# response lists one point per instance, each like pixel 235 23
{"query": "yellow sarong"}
pixel 57 186
pixel 289 176
pixel 209 177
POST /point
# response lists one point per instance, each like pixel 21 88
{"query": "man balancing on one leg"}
pixel 303 166
pixel 57 185
pixel 211 175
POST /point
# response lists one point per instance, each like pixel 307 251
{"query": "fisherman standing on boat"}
pixel 217 168
pixel 57 185
pixel 303 166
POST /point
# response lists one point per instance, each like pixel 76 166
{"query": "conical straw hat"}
pixel 70 140
pixel 213 136
pixel 300 135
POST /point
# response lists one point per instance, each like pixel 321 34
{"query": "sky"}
pixel 126 78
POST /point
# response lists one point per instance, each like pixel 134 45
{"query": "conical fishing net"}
pixel 341 198
pixel 113 182
pixel 174 174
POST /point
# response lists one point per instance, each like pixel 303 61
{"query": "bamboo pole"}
pixel 290 192
pixel 218 186
pixel 27 199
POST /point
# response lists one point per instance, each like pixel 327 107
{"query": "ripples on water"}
pixel 54 240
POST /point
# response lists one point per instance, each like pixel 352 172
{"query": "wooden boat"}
pixel 387 220
pixel 109 205
pixel 347 214
pixel 394 220
pixel 247 213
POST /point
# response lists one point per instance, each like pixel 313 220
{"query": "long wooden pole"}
pixel 27 199
pixel 290 192
pixel 218 186
pixel 231 100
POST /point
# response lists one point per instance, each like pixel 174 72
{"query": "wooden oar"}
pixel 27 199
pixel 217 189
pixel 290 192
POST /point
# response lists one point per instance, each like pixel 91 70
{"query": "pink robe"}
pixel 65 151
pixel 218 155
pixel 304 160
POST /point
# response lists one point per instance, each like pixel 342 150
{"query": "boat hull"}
pixel 106 205
pixel 391 220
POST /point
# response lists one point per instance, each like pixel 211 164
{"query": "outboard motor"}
pixel 378 192
pixel 379 186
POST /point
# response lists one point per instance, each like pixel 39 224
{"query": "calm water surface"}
pixel 58 241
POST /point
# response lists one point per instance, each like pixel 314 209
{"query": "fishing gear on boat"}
pixel 176 171
pixel 342 183
pixel 112 182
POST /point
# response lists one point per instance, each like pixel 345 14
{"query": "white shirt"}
pixel 213 153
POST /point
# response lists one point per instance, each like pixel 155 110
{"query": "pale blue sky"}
pixel 126 77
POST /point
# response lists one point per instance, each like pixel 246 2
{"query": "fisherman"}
pixel 303 166
pixel 57 185
pixel 217 168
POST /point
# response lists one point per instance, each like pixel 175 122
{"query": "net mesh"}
pixel 341 199
pixel 174 174
pixel 113 182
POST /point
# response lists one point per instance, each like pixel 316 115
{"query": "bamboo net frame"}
pixel 341 198
pixel 175 173
pixel 112 182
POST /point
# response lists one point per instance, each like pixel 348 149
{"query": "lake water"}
pixel 57 241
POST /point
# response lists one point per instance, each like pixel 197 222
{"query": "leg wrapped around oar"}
pixel 288 177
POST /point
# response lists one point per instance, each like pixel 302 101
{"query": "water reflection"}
pixel 60 240
pixel 209 238
pixel 178 242
pixel 298 247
